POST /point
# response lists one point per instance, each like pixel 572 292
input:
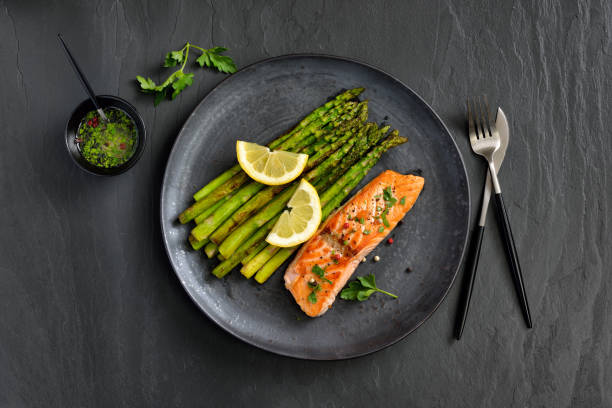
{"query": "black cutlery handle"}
pixel 512 255
pixel 468 281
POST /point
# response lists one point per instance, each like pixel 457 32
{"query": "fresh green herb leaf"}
pixel 173 58
pixel 381 229
pixel 345 242
pixel 366 232
pixel 182 82
pixel 312 298
pixel 368 281
pixel 317 270
pixel 361 220
pixel 387 193
pixel 362 288
pixel 212 58
pixel 146 84
pixel 179 80
pixel 159 96
pixel 403 200
pixel 384 218
pixel 320 272
pixel 348 217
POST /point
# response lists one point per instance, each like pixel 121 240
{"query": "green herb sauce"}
pixel 107 144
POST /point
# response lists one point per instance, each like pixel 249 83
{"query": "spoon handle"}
pixel 80 74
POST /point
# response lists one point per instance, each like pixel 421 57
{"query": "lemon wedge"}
pixel 271 168
pixel 301 221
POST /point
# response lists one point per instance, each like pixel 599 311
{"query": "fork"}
pixel 485 140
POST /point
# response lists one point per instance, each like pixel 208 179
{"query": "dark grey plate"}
pixel 261 102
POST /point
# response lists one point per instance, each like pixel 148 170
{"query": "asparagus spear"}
pixel 210 249
pixel 291 144
pixel 211 209
pixel 197 245
pixel 252 266
pixel 333 197
pixel 230 262
pixel 338 100
pixel 248 227
pixel 317 113
pixel 253 251
pixel 265 195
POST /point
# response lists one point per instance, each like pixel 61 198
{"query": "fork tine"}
pixel 488 117
pixel 472 132
pixel 481 121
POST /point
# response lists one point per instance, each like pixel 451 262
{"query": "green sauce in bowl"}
pixel 107 144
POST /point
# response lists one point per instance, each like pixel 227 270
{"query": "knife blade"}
pixel 501 123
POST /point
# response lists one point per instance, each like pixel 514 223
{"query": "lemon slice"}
pixel 299 223
pixel 271 168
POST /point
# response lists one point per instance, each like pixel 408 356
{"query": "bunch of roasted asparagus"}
pixel 234 214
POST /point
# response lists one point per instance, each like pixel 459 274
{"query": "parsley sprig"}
pixel 362 288
pixel 179 79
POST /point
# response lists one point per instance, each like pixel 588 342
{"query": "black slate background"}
pixel 91 313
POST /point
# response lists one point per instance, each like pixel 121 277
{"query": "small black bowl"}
pixel 72 127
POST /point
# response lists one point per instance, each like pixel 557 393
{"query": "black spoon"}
pixel 83 79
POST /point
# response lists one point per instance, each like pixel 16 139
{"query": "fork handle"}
pixel 512 255
pixel 468 281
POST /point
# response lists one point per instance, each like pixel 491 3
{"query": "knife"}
pixel 501 124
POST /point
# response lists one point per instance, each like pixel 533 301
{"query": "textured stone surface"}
pixel 91 313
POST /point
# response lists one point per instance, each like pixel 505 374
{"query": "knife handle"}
pixel 468 281
pixel 512 255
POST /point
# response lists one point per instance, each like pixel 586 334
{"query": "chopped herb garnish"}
pixel 387 194
pixel 385 220
pixel 345 242
pixel 320 272
pixel 378 208
pixel 403 201
pixel 317 270
pixel 381 229
pixel 312 298
pixel 366 232
pixel 348 217
pixel 377 196
pixel 361 220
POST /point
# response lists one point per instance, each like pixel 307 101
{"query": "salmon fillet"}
pixel 326 262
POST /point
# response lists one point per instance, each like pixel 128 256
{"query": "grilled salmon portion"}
pixel 326 262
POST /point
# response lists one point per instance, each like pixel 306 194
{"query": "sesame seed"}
pixel 376 258
pixel 363 259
